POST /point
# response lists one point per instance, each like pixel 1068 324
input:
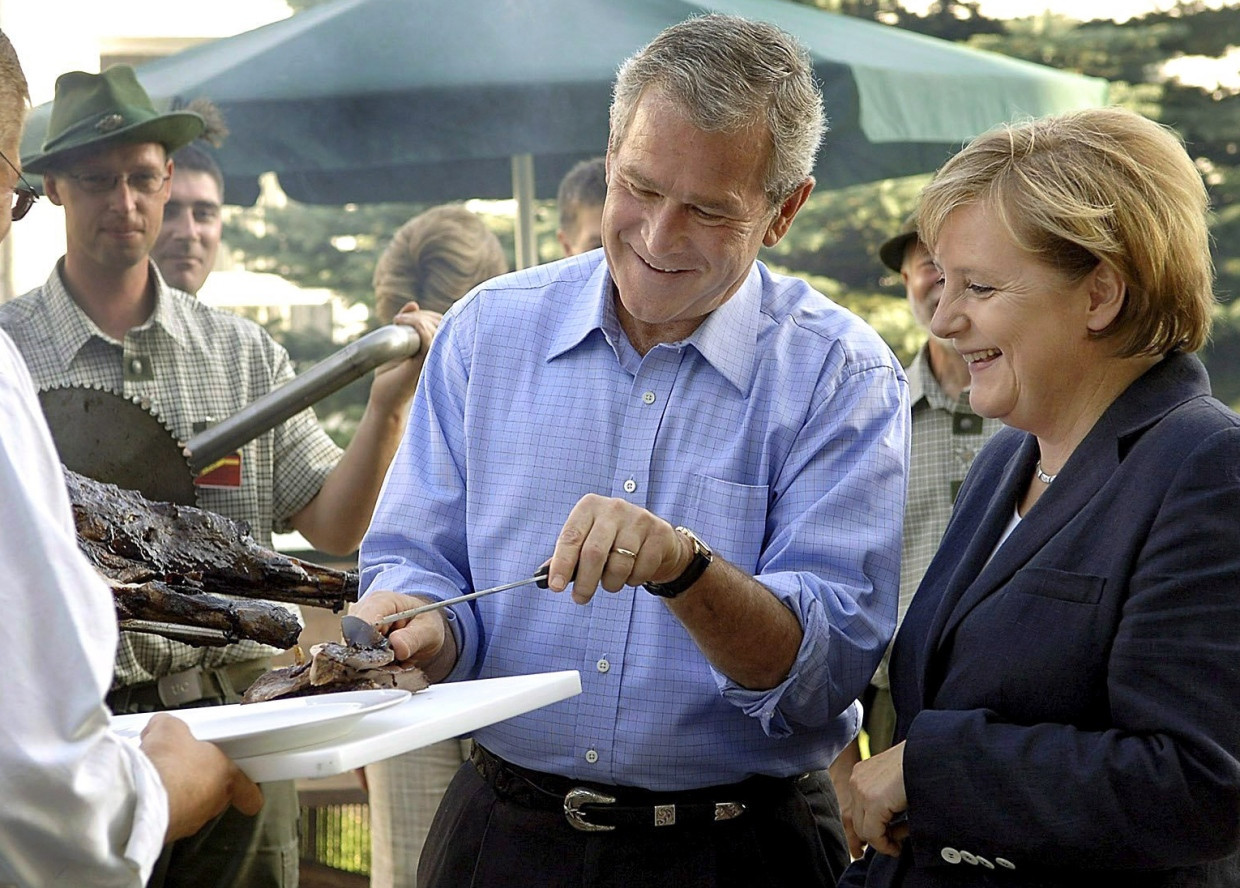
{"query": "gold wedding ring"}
pixel 620 550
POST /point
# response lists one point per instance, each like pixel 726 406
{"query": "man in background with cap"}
pixel 106 318
pixel 946 435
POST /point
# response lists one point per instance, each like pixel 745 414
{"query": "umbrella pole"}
pixel 523 193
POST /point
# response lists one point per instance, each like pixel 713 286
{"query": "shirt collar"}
pixel 75 328
pixel 920 377
pixel 727 338
pixel 924 385
pixel 165 314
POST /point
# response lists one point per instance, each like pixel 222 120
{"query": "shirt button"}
pixel 630 486
pixel 603 665
pixel 591 756
pixel 951 855
pixel 968 858
pixel 986 863
pixel 135 366
pixel 1005 863
pixel 648 397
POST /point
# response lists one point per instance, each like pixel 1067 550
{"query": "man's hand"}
pixel 395 381
pixel 878 795
pixel 425 640
pixel 614 543
pixel 200 780
pixel 841 772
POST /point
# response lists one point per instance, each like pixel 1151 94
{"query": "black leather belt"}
pixel 196 686
pixel 592 807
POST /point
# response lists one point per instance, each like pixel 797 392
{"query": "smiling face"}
pixel 1022 327
pixel 684 219
pixel 190 235
pixel 112 230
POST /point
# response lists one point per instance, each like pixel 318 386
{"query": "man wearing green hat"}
pixel 947 434
pixel 105 317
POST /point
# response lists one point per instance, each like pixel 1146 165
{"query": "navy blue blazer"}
pixel 1071 706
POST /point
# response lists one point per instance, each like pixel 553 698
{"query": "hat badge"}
pixel 109 122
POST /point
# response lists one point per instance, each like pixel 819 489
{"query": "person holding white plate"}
pixel 82 806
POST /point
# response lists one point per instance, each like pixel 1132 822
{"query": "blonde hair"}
pixel 436 258
pixel 14 94
pixel 1100 185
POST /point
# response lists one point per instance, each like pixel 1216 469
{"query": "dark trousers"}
pixel 788 837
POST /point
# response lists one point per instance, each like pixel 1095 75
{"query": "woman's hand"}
pixel 395 381
pixel 878 796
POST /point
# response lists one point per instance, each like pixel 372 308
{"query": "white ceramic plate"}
pixel 249 729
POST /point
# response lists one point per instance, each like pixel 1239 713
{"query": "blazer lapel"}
pixel 1169 383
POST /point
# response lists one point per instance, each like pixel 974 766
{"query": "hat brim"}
pixel 892 252
pixel 172 130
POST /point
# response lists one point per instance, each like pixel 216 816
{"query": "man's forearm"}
pixel 742 628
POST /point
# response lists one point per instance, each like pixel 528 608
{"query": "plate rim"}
pixel 130 725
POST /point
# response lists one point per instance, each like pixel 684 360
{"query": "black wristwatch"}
pixel 702 557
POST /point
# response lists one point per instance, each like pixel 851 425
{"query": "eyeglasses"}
pixel 24 195
pixel 143 181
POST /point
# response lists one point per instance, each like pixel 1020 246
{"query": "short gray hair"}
pixel 728 73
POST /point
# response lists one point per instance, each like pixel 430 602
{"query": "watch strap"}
pixel 702 557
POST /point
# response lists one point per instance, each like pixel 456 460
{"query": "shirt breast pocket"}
pixel 730 517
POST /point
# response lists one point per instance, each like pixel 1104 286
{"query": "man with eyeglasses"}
pixel 106 317
pixel 24 195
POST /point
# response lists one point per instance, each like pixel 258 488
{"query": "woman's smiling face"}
pixel 1021 325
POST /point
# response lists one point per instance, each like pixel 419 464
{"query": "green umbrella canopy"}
pixel 372 100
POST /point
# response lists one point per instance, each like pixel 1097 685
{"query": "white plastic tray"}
pixel 437 713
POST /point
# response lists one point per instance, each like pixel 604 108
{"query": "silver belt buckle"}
pixel 579 796
pixel 180 688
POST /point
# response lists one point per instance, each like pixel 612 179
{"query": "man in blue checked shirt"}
pixel 721 448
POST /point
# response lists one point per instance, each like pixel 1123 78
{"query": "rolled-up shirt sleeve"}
pixel 834 553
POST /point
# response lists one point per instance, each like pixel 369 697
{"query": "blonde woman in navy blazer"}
pixel 1067 680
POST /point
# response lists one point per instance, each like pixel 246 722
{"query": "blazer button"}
pixel 951 855
pixel 968 858
pixel 1005 863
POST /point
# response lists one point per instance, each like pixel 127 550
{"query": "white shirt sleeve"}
pixel 78 804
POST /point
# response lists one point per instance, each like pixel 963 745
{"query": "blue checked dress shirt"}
pixel 777 431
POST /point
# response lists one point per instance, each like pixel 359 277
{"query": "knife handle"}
pixel 542 578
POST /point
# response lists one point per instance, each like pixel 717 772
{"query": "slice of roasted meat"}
pixel 336 667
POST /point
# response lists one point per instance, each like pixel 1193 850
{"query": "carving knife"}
pixel 360 633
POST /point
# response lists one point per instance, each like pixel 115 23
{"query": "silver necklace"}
pixel 1042 476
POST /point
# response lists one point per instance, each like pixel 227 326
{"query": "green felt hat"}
pixel 108 108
